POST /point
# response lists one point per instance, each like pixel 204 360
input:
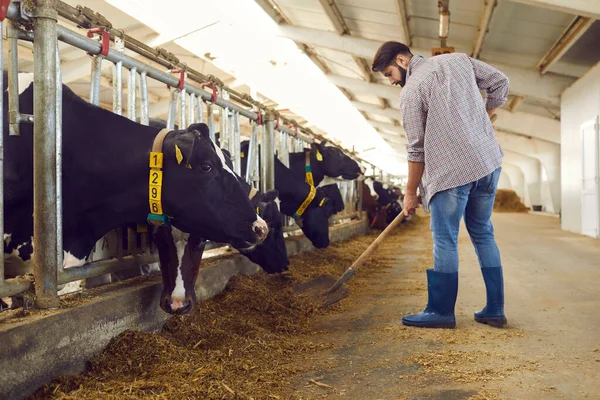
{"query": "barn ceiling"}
pixel 542 45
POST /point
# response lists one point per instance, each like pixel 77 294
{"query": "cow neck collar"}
pixel 156 215
pixel 308 169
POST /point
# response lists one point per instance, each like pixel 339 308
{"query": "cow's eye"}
pixel 206 167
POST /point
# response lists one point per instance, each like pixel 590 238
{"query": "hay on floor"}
pixel 508 201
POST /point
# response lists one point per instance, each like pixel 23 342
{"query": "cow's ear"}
pixel 200 127
pixel 181 148
pixel 318 148
pixel 271 195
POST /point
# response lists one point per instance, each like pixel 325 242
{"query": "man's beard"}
pixel 402 81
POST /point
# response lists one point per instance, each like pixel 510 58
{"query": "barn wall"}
pixel 579 104
pixel 40 347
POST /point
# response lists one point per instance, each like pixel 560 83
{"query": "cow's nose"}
pixel 261 229
pixel 179 306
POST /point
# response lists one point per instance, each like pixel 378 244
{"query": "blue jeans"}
pixel 475 202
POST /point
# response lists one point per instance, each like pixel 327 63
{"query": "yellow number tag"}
pixel 156 160
pixel 155 207
pixel 156 178
pixel 242 155
pixel 319 156
pixel 155 192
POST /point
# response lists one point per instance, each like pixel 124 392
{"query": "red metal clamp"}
pixel 104 44
pixel 4 9
pixel 181 73
pixel 295 127
pixel 214 90
pixel 259 120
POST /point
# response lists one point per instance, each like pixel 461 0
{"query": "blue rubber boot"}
pixel 442 289
pixel 493 313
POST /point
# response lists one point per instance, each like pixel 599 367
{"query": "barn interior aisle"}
pixel 257 341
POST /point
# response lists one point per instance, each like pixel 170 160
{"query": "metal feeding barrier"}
pixel 193 99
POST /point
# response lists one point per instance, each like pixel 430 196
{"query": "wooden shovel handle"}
pixel 372 247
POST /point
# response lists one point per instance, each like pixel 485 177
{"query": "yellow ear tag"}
pixel 322 202
pixel 319 156
pixel 188 166
pixel 242 155
pixel 178 154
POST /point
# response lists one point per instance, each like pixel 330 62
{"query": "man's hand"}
pixel 411 202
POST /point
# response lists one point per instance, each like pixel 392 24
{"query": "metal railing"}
pixel 193 99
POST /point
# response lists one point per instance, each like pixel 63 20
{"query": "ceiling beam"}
pixel 335 16
pixel 377 110
pixel 529 125
pixel 353 45
pixel 586 8
pixel 402 12
pixel 567 39
pixel 395 130
pixel 517 123
pixel 543 89
pixel 484 23
pixel 515 103
pixel 523 82
pixel 337 20
pixel 359 86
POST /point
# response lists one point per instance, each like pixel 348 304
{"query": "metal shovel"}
pixel 325 289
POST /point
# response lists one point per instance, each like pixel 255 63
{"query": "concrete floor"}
pixel 550 349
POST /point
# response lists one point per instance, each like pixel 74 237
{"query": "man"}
pixel 454 159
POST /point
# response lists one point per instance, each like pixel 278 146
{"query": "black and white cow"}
pixel 325 161
pixel 105 181
pixel 180 254
pixel 293 190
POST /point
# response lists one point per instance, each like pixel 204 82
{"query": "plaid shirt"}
pixel 445 119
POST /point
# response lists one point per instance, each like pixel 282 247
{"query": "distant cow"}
pixel 106 181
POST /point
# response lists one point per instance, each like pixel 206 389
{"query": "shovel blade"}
pixel 314 289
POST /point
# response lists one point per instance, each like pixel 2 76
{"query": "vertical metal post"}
pixel 359 191
pixel 95 79
pixel 199 110
pixel 231 137
pixel 59 195
pixel 131 94
pixel 118 88
pixel 268 154
pixel 145 117
pixel 224 122
pixel 118 79
pixel 192 109
pixel 237 162
pixel 12 33
pixel 172 110
pixel 251 169
pixel 211 122
pixel 182 111
pixel 44 154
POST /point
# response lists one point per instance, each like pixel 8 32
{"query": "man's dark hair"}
pixel 386 55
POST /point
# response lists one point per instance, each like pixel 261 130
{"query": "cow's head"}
pixel 332 192
pixel 180 257
pixel 203 195
pixel 334 162
pixel 315 220
pixel 271 255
